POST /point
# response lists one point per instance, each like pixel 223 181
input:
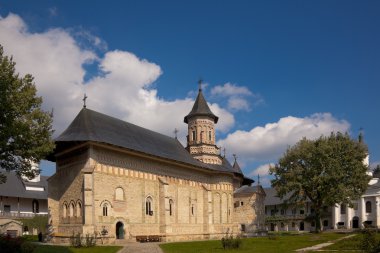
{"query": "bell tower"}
pixel 201 131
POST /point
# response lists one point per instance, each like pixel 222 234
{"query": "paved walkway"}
pixel 134 247
pixel 322 245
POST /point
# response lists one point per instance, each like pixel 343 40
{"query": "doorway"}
pixel 302 226
pixel 355 222
pixel 119 230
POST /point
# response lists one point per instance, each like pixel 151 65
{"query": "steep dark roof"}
pixel 90 125
pixel 237 167
pixel 247 190
pixel 272 197
pixel 200 108
pixel 15 187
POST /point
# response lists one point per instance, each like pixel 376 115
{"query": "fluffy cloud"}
pixel 269 142
pixel 229 89
pixel 262 170
pixel 56 58
pixel 237 96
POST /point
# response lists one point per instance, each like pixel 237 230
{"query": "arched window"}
pixel 64 211
pixel 72 207
pixel 368 207
pixel 171 206
pixel 119 193
pixel 79 209
pixel 209 135
pixel 148 206
pixel 105 209
pixel 35 206
pixel 192 209
pixel 342 209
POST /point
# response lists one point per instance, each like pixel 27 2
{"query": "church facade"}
pixel 122 181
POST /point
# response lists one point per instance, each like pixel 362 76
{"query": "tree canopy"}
pixel 25 129
pixel 325 171
pixel 376 171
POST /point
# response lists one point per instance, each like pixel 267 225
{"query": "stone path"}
pixel 322 245
pixel 134 247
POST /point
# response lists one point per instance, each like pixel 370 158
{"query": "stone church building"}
pixel 127 182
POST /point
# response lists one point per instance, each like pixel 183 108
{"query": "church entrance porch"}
pixel 119 230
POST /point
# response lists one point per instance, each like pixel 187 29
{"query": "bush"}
pixel 77 240
pixel 369 243
pixel 15 245
pixel 90 240
pixel 27 247
pixel 229 242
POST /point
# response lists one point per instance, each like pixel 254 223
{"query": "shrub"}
pixel 272 237
pixel 15 245
pixel 229 242
pixel 76 240
pixel 90 241
pixel 27 247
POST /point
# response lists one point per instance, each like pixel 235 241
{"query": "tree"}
pixel 25 129
pixel 376 171
pixel 325 171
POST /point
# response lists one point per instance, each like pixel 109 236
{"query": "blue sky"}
pixel 274 70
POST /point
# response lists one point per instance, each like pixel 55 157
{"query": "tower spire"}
pixel 201 122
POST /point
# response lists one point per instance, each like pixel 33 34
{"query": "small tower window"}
pixel 209 135
pixel 193 134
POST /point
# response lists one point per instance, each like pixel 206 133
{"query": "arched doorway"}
pixel 355 222
pixel 119 230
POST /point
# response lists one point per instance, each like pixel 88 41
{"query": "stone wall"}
pixel 114 186
pixel 65 196
pixel 249 212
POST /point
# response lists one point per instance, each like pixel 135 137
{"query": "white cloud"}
pixel 229 89
pixel 56 58
pixel 262 170
pixel 236 103
pixel 269 142
pixel 238 97
pixel 55 61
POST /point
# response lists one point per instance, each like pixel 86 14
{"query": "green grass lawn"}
pixel 65 249
pixel 348 245
pixel 281 243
